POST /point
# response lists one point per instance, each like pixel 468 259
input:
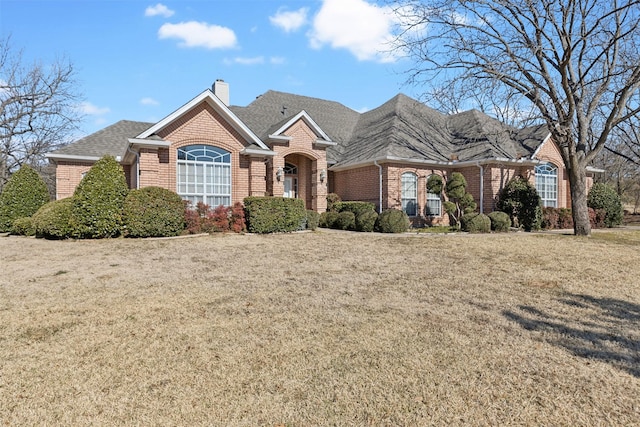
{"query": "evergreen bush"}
pixel 520 200
pixel 327 219
pixel 500 221
pixel 23 226
pixel 55 220
pixel 22 196
pixel 273 214
pixel 153 212
pixel 313 219
pixel 355 207
pixel 346 220
pixel 392 221
pixel 475 223
pixel 603 196
pixel 332 199
pixel 366 220
pixel 99 199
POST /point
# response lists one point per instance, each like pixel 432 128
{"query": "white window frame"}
pixel 203 174
pixel 433 199
pixel 546 176
pixel 409 193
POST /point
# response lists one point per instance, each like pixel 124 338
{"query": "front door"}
pixel 290 187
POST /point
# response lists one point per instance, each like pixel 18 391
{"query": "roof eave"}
pixel 427 162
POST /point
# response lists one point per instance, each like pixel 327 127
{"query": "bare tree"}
pixel 577 62
pixel 38 110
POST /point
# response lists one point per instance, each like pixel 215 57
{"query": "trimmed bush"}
pixel 520 200
pixel 596 218
pixel 55 220
pixel 153 212
pixel 392 221
pixel 274 214
pixel 99 199
pixel 23 227
pixel 366 220
pixel 549 218
pixel 332 199
pixel 565 218
pixel 327 219
pixel 355 207
pixel 22 196
pixel 603 196
pixel 345 221
pixel 313 219
pixel 237 222
pixel 500 221
pixel 475 223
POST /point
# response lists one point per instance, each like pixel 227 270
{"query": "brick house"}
pixel 295 146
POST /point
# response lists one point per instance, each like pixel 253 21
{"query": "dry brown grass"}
pixel 321 329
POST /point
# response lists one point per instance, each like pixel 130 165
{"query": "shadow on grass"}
pixel 603 329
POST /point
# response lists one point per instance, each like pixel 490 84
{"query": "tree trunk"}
pixel 579 208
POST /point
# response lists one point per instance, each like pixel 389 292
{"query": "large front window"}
pixel 409 193
pixel 204 175
pixel 547 184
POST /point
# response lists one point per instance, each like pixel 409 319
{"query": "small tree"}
pixel 99 199
pixel 603 196
pixel 23 195
pixel 520 200
pixel 458 202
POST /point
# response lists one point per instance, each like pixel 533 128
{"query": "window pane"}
pixel 203 173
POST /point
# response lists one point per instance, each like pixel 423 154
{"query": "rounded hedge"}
pixel 22 196
pixel 55 220
pixel 345 221
pixel 475 223
pixel 327 219
pixel 500 221
pixel 313 218
pixel 99 198
pixel 392 221
pixel 603 196
pixel 23 227
pixel 366 220
pixel 152 212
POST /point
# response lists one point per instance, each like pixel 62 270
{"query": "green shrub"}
pixel 475 223
pixel 520 200
pixel 500 221
pixel 332 199
pixel 313 218
pixel 392 221
pixel 22 196
pixel 366 220
pixel 459 201
pixel 99 198
pixel 23 227
pixel 327 219
pixel 273 214
pixel 55 220
pixel 603 196
pixel 153 212
pixel 355 207
pixel 345 221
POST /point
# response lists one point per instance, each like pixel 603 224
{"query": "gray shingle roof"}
pixel 400 128
pixel 112 140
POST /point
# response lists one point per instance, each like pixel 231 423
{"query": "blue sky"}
pixel 140 60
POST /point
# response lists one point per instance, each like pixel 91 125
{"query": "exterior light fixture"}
pixel 279 174
pixel 323 175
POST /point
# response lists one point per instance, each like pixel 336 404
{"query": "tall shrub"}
pixel 603 196
pixel 22 196
pixel 99 198
pixel 520 200
pixel 274 214
pixel 153 212
pixel 459 202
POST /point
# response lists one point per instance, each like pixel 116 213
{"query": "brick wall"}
pixel 549 152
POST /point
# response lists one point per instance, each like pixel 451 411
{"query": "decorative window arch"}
pixel 409 193
pixel 204 175
pixel 434 203
pixel 290 169
pixel 547 184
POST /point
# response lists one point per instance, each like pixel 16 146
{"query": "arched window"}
pixel 547 184
pixel 409 193
pixel 434 204
pixel 290 181
pixel 204 175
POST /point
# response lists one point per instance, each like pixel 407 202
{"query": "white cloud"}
pixel 364 29
pixel 290 20
pixel 256 60
pixel 199 34
pixel 149 101
pixel 158 10
pixel 93 110
pixel 277 60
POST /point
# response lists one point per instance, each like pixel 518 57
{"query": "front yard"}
pixel 321 329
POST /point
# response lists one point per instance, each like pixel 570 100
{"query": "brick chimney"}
pixel 221 90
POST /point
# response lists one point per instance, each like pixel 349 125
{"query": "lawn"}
pixel 321 328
